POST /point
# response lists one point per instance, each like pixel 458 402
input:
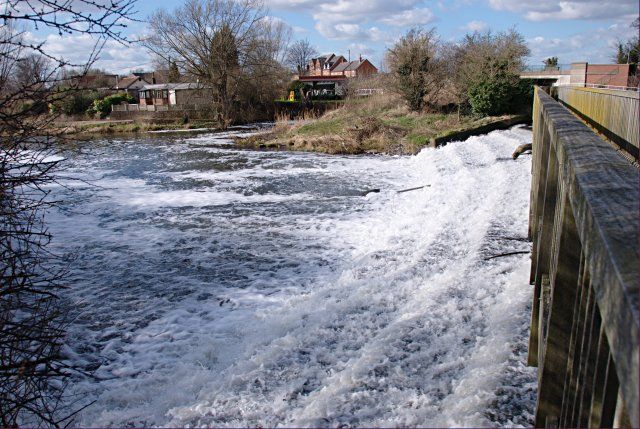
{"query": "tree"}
pixel 629 52
pixel 174 72
pixel 220 43
pixel 416 71
pixel 32 323
pixel 551 62
pixel 299 54
pixel 487 71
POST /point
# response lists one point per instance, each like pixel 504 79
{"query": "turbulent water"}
pixel 212 286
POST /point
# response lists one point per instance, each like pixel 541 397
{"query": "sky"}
pixel 572 30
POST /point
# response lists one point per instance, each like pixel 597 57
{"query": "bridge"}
pixel 585 322
pixel 614 76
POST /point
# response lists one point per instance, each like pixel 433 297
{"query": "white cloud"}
pixel 359 19
pixel 475 26
pixel 360 49
pixel 544 10
pixel 593 46
pixel 114 57
pixel 411 17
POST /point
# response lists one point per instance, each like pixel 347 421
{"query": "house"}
pixel 327 75
pixel 174 94
pixel 95 81
pixel 154 77
pixel 131 85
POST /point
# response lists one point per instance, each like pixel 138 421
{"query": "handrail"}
pixel 585 326
pixel 600 86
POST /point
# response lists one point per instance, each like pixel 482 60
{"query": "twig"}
pixel 507 254
pixel 413 189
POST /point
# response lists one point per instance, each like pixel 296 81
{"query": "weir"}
pixel 584 227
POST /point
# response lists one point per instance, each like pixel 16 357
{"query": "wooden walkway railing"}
pixel 585 317
pixel 615 113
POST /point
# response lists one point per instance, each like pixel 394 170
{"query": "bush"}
pixel 416 72
pixel 487 71
pixel 489 97
pixel 75 103
pixel 103 106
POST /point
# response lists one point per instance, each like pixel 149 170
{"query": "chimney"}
pixel 360 57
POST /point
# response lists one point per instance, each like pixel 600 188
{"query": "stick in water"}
pixel 413 189
pixel 507 254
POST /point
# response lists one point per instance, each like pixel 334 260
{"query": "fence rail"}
pixel 154 108
pixel 585 321
pixel 602 86
pixel 614 113
pixel 369 91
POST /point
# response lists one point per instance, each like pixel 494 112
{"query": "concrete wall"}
pixel 585 322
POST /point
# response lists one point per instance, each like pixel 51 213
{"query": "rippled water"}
pixel 213 286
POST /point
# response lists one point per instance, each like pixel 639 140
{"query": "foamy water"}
pixel 213 286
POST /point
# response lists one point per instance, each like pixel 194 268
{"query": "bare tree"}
pixel 415 67
pixel 299 54
pixel 219 43
pixel 33 372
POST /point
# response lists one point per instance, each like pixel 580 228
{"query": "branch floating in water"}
pixel 507 254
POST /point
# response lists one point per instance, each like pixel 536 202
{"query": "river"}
pixel 213 286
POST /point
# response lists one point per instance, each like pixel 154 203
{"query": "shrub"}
pixel 103 106
pixel 487 69
pixel 415 69
pixel 75 103
pixel 489 97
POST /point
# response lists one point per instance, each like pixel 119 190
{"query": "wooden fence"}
pixel 615 113
pixel 585 317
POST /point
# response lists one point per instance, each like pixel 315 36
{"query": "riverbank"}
pixel 90 128
pixel 379 124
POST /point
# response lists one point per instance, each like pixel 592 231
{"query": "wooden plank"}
pixel 599 381
pixel 573 356
pixel 604 196
pixel 592 331
pixel 564 282
pixel 547 200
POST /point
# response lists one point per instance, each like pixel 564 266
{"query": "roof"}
pixel 348 66
pixel 173 86
pixel 126 82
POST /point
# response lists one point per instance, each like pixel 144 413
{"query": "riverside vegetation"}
pixel 377 124
pixel 433 92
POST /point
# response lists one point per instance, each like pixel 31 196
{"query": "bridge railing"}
pixel 542 68
pixel 585 317
pixel 615 113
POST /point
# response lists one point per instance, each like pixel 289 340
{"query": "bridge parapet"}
pixel 585 318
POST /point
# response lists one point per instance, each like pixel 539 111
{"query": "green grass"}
pixel 323 126
pixel 418 139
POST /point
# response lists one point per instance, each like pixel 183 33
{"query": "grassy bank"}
pixel 377 124
pixel 89 128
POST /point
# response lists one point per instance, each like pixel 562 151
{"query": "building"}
pixel 327 75
pixel 94 81
pixel 131 85
pixel 620 75
pixel 174 94
pixel 585 74
pixel 154 77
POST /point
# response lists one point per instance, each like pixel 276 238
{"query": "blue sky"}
pixel 573 30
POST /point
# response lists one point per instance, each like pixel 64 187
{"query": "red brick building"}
pixel 603 74
pixel 326 75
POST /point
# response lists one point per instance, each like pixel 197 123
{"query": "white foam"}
pixel 308 305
